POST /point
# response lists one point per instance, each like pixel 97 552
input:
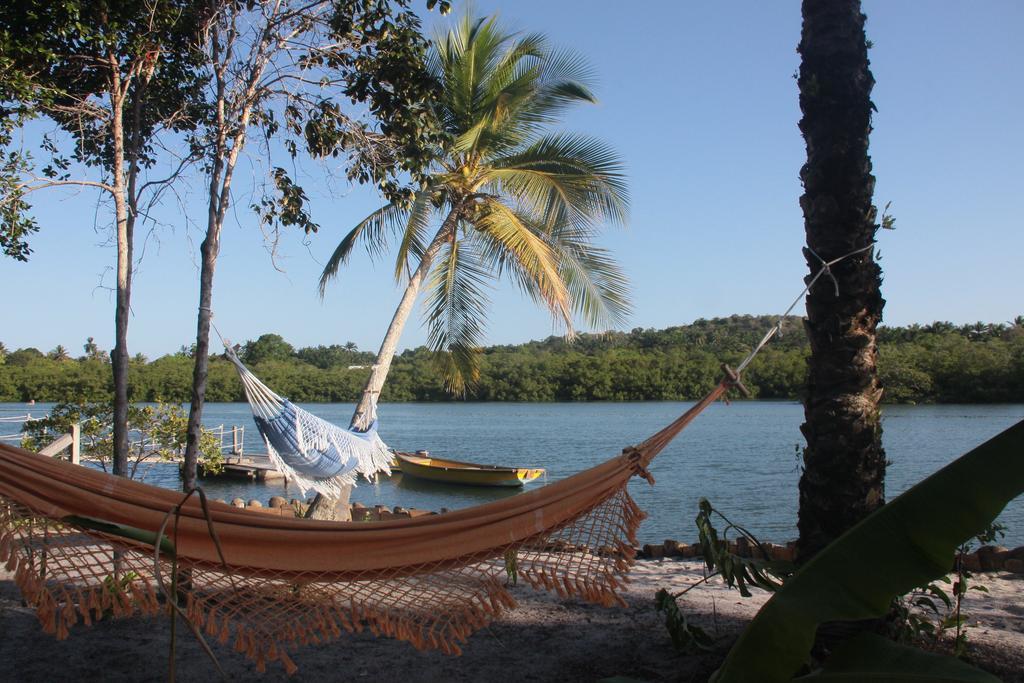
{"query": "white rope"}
pixel 826 269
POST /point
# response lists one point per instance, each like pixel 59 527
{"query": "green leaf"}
pixel 686 637
pixel 906 543
pixel 869 657
pixel 122 530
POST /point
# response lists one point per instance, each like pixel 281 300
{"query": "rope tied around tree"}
pixel 826 269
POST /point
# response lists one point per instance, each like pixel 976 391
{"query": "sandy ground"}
pixel 546 639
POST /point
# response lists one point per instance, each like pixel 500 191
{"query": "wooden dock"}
pixel 255 467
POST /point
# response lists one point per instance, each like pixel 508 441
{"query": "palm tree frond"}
pixel 456 307
pixel 574 174
pixel 597 285
pixel 513 238
pixel 372 231
pixel 526 203
pixel 415 235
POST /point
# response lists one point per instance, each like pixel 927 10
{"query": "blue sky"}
pixel 700 100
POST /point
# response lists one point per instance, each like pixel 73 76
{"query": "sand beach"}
pixel 545 639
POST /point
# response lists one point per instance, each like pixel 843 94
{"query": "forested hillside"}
pixel 940 362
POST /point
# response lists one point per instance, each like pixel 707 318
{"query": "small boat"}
pixel 421 464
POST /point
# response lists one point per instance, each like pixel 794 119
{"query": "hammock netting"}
pixel 284 583
pixel 311 452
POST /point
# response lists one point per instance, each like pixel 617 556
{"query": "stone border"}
pixel 297 508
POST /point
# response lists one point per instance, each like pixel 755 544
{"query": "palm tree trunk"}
pixel 337 509
pixel 363 414
pixel 844 463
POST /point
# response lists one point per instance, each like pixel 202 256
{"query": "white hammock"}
pixel 311 452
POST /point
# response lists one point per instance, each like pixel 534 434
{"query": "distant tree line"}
pixel 937 363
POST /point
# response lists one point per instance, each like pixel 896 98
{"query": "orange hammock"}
pixel 431 580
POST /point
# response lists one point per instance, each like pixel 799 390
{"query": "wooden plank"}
pixel 58 444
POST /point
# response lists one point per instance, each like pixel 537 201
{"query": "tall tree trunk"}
pixel 220 196
pixel 337 509
pixel 122 307
pixel 844 463
pixel 228 145
pixel 209 250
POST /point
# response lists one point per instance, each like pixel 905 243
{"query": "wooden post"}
pixel 235 445
pixel 76 444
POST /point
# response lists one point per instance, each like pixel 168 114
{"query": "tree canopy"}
pixel 936 363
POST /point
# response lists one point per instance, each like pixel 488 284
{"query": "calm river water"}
pixel 742 457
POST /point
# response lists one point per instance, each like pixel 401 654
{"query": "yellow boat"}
pixel 424 466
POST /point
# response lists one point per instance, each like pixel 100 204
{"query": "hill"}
pixel 940 362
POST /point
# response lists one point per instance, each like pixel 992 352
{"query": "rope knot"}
pixel 636 463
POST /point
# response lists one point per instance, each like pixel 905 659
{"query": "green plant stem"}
pixel 707 577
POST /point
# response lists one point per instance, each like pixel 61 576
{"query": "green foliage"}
pixel 16 225
pixel 906 543
pixel 926 614
pixel 118 587
pixel 914 616
pixel 93 351
pixel 935 363
pixel 70 62
pixel 94 420
pixel 369 53
pixel 511 567
pixel 335 355
pixel 267 347
pixel 24 357
pixel 736 571
pixel 686 637
pixel 157 432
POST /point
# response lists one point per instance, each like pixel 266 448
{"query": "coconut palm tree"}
pixel 844 463
pixel 60 353
pixel 507 198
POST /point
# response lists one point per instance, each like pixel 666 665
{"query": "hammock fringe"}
pixel 431 581
pixel 70 580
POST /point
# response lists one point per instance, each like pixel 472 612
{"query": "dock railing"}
pixel 232 439
pixel 72 439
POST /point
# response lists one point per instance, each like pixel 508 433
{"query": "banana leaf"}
pixel 872 658
pixel 906 543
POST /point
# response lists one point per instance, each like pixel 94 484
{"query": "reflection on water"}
pixel 466 495
pixel 743 457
